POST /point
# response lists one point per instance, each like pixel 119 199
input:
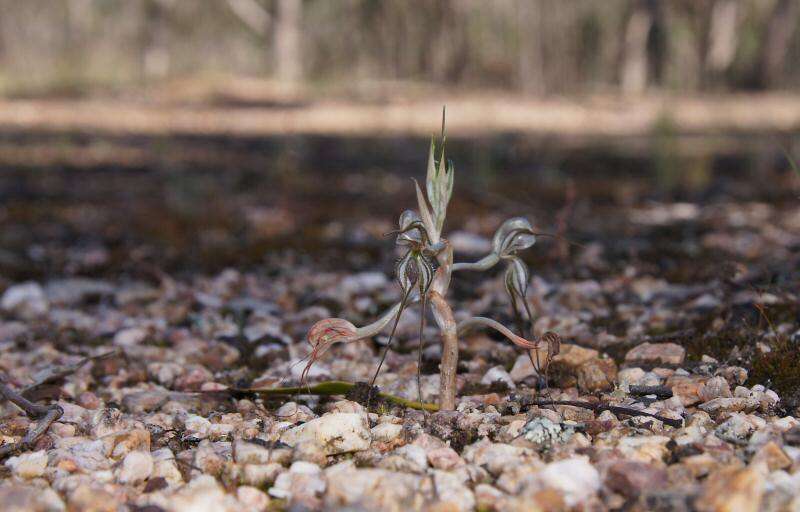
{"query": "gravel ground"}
pixel 701 330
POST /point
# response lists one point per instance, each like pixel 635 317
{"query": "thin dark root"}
pixel 391 337
pixel 538 365
pixel 541 373
pixel 421 345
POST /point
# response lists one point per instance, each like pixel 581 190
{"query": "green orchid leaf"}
pixel 334 387
pixel 425 213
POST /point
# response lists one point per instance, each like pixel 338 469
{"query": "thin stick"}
pixel 616 409
pixel 54 412
pixel 540 373
pixel 530 321
pixel 421 344
pixel 33 410
pixel 47 414
pixel 391 336
pixel 60 372
pixel 518 320
pixel 659 391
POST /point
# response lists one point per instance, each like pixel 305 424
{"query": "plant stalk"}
pixel 449 364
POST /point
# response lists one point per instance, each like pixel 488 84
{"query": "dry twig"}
pixel 600 407
pixel 56 373
pixel 46 414
pixel 659 391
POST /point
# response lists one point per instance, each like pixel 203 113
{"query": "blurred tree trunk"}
pixel 252 14
pixel 634 60
pixel 722 40
pixel 3 35
pixel 288 54
pixel 531 64
pixel 154 34
pixel 779 31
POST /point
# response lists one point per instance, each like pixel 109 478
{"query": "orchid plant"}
pixel 424 273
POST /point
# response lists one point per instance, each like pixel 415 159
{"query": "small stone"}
pixel 719 406
pixel 130 337
pixel 260 475
pixel 545 433
pixel 632 478
pixel 221 431
pixel 369 489
pixel 26 300
pixel 630 377
pixel 164 466
pixel 196 427
pixel 88 400
pixel 192 378
pixel 573 356
pixel 27 498
pixel 310 451
pixel 699 466
pixel 735 375
pixel 498 374
pixel 77 290
pixel 347 406
pixel 252 499
pixel 732 489
pixel 453 494
pixel 705 303
pixel 133 440
pixel 597 375
pixel 495 457
pixel 302 485
pixel 211 457
pixel 386 432
pixel 335 433
pixel 28 465
pixel 414 456
pixel 646 449
pixel 665 353
pixel 144 401
pixel 91 497
pixel 136 468
pixel 686 389
pixel 85 455
pixel 736 428
pixel 773 456
pixel 522 369
pixel 576 479
pixel 786 423
pixel 204 494
pixel 165 373
pixel 715 387
pixel 444 458
pixel 294 412
pixel 251 453
pixel 491 498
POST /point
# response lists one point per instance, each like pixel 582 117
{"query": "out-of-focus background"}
pixel 194 134
pixel 77 48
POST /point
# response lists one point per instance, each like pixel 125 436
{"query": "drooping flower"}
pixel 323 335
pixel 515 234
